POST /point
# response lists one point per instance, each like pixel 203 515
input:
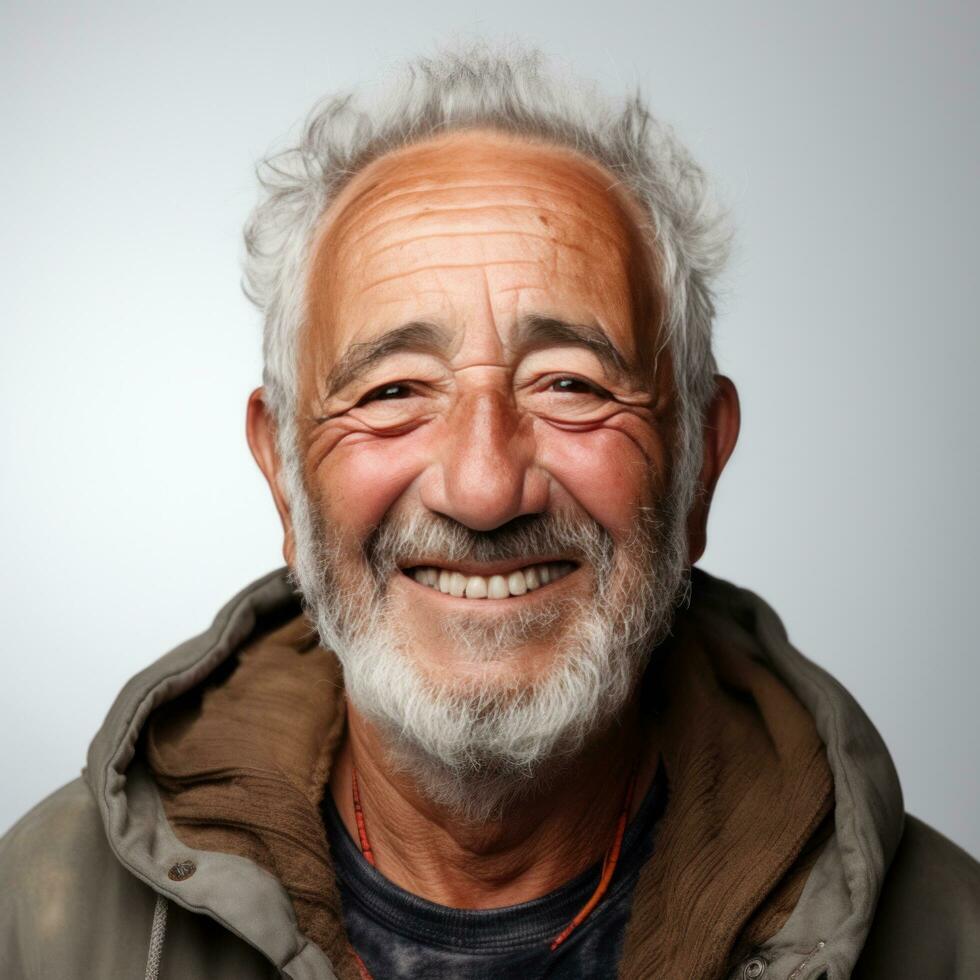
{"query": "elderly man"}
pixel 491 721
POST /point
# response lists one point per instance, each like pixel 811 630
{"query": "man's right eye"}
pixel 388 392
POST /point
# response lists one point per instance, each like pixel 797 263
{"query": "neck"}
pixel 552 831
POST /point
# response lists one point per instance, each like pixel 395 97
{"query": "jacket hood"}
pixel 823 935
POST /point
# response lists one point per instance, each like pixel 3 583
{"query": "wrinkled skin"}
pixel 471 233
pixel 465 245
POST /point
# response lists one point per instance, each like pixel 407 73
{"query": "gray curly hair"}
pixel 516 93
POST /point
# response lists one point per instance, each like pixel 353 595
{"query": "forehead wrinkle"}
pixel 447 265
pixel 513 232
pixel 339 218
pixel 575 212
pixel 519 287
pixel 444 188
pixel 616 241
pixel 491 315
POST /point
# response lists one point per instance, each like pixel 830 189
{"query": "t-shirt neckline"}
pixel 505 928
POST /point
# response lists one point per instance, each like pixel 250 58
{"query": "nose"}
pixel 485 474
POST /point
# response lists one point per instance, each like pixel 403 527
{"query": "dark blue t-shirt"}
pixel 398 935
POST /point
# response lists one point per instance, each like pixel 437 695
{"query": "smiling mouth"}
pixel 467 586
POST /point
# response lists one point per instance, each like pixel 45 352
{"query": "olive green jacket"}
pixel 94 883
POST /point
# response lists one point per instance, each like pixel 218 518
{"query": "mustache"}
pixel 399 542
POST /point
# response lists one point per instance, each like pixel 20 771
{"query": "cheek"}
pixel 609 472
pixel 361 482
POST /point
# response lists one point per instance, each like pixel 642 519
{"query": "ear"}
pixel 720 435
pixel 260 430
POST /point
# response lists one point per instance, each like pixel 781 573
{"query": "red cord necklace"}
pixel 609 862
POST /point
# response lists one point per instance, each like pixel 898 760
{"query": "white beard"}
pixel 475 746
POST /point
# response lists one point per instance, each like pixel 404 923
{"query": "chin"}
pixel 498 648
pixel 484 672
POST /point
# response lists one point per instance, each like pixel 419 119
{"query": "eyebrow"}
pixel 535 332
pixel 415 337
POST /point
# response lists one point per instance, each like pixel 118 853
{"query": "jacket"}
pixel 97 884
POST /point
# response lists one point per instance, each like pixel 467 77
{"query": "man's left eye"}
pixel 576 386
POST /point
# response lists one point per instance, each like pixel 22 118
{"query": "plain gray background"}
pixel 844 138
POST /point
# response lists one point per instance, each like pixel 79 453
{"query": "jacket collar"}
pixel 232 890
pixel 828 927
pixel 825 932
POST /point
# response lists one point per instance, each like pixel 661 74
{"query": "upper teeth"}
pixel 491 586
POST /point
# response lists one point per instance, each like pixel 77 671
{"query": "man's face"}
pixel 485 424
pixel 477 260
